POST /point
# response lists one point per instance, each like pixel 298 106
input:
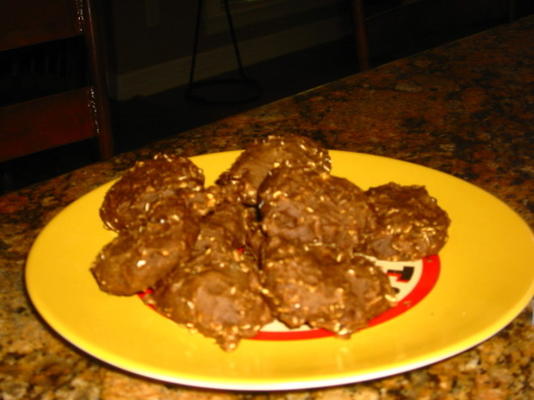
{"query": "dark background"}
pixel 396 28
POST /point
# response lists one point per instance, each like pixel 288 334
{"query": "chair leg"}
pixel 98 96
pixel 360 34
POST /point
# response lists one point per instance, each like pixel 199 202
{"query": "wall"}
pixel 153 39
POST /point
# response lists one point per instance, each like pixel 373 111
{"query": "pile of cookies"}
pixel 276 237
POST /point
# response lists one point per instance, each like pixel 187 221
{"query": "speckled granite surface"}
pixel 466 108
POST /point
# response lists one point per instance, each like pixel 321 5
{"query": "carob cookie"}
pixel 228 226
pixel 276 236
pixel 136 259
pixel 128 201
pixel 218 294
pixel 410 224
pixel 252 166
pixel 315 288
pixel 314 208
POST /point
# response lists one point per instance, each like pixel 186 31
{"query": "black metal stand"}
pixel 226 90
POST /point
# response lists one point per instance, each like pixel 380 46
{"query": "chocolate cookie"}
pixel 161 179
pixel 410 224
pixel 252 166
pixel 314 208
pixel 217 294
pixel 318 289
pixel 276 236
pixel 136 259
pixel 229 226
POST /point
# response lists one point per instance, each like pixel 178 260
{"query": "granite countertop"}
pixel 465 108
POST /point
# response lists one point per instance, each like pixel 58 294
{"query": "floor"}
pixel 143 120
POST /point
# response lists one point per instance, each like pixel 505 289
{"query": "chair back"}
pixel 71 115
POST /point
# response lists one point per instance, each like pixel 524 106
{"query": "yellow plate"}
pixel 486 279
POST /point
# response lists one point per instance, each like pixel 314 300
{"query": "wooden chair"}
pixel 360 19
pixel 54 120
pixel 360 34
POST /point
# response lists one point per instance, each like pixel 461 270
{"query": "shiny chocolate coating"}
pixel 136 259
pixel 410 223
pixel 218 294
pixel 322 288
pixel 314 208
pixel 165 178
pixel 254 163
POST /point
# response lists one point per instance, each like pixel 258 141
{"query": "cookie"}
pixel 217 294
pixel 128 203
pixel 319 289
pixel 314 208
pixel 410 223
pixel 255 162
pixel 136 259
